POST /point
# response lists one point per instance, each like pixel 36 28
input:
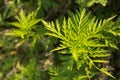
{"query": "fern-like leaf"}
pixel 85 36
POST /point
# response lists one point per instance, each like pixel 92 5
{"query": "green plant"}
pixel 26 27
pixel 27 72
pixel 88 3
pixel 83 43
pixel 86 41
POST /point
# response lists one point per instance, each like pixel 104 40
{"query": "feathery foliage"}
pixel 25 24
pixel 85 46
pixel 26 27
pixel 88 41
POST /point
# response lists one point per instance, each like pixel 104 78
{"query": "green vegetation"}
pixel 59 40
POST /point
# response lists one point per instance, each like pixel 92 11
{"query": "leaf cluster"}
pixel 25 24
pixel 88 39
